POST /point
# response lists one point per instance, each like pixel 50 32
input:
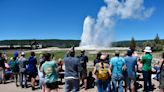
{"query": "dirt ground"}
pixel 10 87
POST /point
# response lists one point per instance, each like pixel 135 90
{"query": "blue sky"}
pixel 63 19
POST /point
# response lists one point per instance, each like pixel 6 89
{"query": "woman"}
pixel 102 72
pixel 40 73
pixel 32 69
pixel 15 69
pixel 49 69
pixel 161 81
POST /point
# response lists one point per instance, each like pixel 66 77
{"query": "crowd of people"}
pixel 110 74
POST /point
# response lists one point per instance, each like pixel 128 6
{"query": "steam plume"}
pixel 98 32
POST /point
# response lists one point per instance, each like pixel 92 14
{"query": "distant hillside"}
pixel 66 43
pixel 139 43
pixel 45 43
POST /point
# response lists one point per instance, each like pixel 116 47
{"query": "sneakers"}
pixel 33 88
pixel 22 86
pixel 17 85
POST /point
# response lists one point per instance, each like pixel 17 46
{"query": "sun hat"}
pixel 82 51
pixel 103 57
pixel 16 54
pixel 22 53
pixel 117 52
pixel 147 49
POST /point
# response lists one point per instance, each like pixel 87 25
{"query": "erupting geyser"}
pixel 97 33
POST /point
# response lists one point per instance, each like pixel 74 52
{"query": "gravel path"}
pixel 10 87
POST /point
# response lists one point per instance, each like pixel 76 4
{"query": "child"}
pixel 90 81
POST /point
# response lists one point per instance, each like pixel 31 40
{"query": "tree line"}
pixel 156 43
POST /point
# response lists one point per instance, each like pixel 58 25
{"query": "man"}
pixel 117 65
pixel 146 69
pixel 83 74
pixel 49 69
pixel 22 73
pixel 2 69
pixel 72 70
pixel 131 63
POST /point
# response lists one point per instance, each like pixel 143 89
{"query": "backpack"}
pixel 102 73
pixel 14 66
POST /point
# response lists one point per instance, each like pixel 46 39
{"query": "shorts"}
pixel 130 81
pixel 53 85
pixel 83 74
pixel 32 75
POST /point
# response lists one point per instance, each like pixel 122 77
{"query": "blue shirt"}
pixel 117 64
pixel 72 66
pixel 32 69
pixel 131 62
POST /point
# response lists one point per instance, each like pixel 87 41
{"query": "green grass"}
pixel 60 54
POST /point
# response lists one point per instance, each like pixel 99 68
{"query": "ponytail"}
pixel 102 64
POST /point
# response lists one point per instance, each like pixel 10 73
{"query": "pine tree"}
pixel 157 44
pixel 132 44
pixel 157 39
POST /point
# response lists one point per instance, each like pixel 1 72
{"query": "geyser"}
pixel 98 32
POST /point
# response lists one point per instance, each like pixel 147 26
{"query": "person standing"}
pixel 49 69
pixel 40 73
pixel 83 74
pixel 146 69
pixel 102 72
pixel 118 66
pixel 22 73
pixel 14 66
pixel 2 69
pixel 97 60
pixel 72 70
pixel 161 79
pixel 131 63
pixel 32 69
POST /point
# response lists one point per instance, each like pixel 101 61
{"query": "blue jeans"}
pixel 147 80
pixel 117 81
pixel 23 79
pixel 103 85
pixel 41 79
pixel 72 85
pixel 109 84
pixel 158 72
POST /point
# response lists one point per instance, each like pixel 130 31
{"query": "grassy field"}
pixel 91 56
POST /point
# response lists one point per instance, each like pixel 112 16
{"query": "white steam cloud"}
pixel 98 32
